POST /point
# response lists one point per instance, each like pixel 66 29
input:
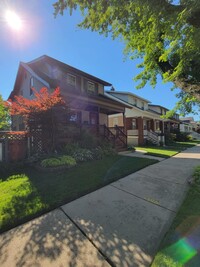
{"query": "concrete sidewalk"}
pixel 121 224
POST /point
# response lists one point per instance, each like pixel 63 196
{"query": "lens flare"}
pixel 13 20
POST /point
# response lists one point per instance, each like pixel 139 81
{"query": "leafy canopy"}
pixel 164 34
pixel 4 115
pixel 41 103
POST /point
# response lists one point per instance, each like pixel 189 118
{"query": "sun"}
pixel 13 20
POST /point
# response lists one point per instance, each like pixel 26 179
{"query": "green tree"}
pixel 164 34
pixel 4 116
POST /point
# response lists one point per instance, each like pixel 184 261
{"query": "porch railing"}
pixel 119 134
pixel 153 137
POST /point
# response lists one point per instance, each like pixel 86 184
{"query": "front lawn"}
pixel 30 192
pixel 181 245
pixel 167 151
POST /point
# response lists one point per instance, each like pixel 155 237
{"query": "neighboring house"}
pixel 188 125
pixel 191 127
pixel 89 105
pixel 140 122
pixel 172 124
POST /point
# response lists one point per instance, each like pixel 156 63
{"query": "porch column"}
pixel 124 122
pixel 152 125
pixel 162 128
pixel 140 131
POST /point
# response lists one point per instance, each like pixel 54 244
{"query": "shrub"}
pixel 170 138
pixel 83 154
pixel 71 148
pixel 88 140
pixel 60 161
pixel 183 137
pixel 97 153
pixel 51 162
pixel 67 160
pixel 16 176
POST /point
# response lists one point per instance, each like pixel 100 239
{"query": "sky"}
pixel 60 38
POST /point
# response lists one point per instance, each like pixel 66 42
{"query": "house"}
pixel 84 93
pixel 141 123
pixel 171 125
pixel 188 125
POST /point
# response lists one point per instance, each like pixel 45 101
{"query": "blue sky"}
pixel 62 39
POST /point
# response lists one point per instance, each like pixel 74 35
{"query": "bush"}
pixel 83 154
pixel 97 153
pixel 170 138
pixel 71 148
pixel 67 160
pixel 60 161
pixel 88 140
pixel 183 137
pixel 51 162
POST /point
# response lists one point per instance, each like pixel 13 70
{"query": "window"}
pixel 136 102
pixel 115 121
pixel 157 126
pixel 145 125
pixel 134 124
pixel 142 106
pixel 91 87
pixel 31 85
pixel 71 79
pixel 74 117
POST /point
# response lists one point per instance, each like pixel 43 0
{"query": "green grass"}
pixel 181 245
pixel 30 192
pixel 167 151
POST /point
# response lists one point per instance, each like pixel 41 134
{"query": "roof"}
pixel 152 105
pixel 128 93
pixel 33 67
pixel 191 119
pixel 117 100
pixel 35 64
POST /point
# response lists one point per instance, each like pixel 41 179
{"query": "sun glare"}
pixel 13 20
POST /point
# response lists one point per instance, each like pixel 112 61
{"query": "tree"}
pixel 38 112
pixel 164 34
pixel 4 116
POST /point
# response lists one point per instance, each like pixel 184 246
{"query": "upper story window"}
pixel 90 87
pixel 71 79
pixel 31 85
pixel 142 105
pixel 136 102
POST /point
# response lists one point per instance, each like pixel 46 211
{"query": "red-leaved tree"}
pixel 43 101
pixel 38 112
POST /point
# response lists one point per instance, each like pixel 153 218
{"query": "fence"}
pixel 13 146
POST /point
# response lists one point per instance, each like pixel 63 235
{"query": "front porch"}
pixel 141 130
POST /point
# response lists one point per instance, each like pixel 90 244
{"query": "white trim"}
pixel 128 93
pixel 117 99
pixel 24 65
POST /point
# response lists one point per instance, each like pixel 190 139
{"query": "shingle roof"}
pixel 35 65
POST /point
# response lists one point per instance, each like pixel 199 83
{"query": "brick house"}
pixel 141 123
pixel 89 105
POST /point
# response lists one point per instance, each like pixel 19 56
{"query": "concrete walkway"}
pixel 121 224
pixel 139 154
